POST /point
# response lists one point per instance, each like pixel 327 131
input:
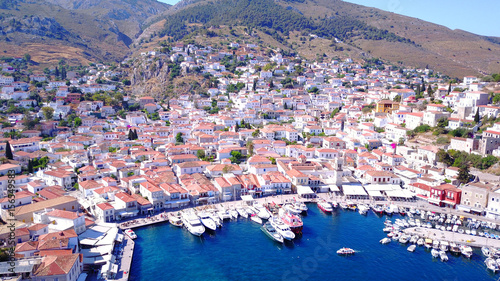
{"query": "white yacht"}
pixel 207 221
pixel 466 251
pixel 256 219
pixel 242 212
pixel 193 223
pixel 261 211
pixel 363 209
pixel 434 253
pixel 385 240
pixel 443 256
pixel 444 246
pixel 491 264
pixel 300 206
pixel 420 242
pixel 292 209
pixel 404 239
pixel 411 248
pixel 283 229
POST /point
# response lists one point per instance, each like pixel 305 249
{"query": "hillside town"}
pixel 81 155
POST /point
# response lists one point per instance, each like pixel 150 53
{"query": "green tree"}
pixel 78 122
pixel 256 133
pixel 250 147
pixel 178 138
pixel 464 175
pixel 30 166
pixel 227 169
pixel 27 57
pixel 201 154
pixel 477 118
pixel 235 157
pixel 48 112
pixel 397 98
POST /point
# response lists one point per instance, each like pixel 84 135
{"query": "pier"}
pixel 464 239
pixel 126 260
pixel 140 222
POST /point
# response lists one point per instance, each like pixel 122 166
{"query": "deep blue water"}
pixel 241 251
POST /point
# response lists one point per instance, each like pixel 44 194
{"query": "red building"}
pixel 445 195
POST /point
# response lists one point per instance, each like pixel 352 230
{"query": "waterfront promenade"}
pixel 126 260
pixel 464 239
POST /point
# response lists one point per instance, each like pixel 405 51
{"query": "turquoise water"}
pixel 241 251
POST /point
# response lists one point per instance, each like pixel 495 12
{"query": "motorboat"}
pixel 388 210
pixel 378 209
pixel 343 205
pixel 175 220
pixel 351 206
pixel 130 233
pixel 443 256
pixel 435 244
pixel 491 264
pixel 261 211
pixel 282 228
pixel 233 213
pixel 192 223
pixel 443 246
pixel 271 232
pixel 411 248
pixel 300 206
pixel 362 209
pixel 420 242
pixel 404 239
pixel 454 248
pixel 224 213
pixel 215 217
pixel 207 221
pixel 241 211
pixel 292 209
pixel 256 219
pixel 428 243
pixel 346 251
pixel 294 222
pixel 434 253
pixel 486 251
pixel 466 251
pixel 325 206
pixel 414 239
pixel 335 205
pixel 385 240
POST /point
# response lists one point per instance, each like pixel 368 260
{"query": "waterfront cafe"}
pixel 355 192
pixel 305 192
pixel 248 199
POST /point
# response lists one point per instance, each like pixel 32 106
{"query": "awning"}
pixel 399 193
pixel 463 208
pixel 304 190
pixel 434 201
pixel 334 188
pixel 128 214
pixel 375 193
pixel 247 198
pixel 382 187
pixel 355 190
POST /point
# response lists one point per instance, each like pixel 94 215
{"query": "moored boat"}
pixel 325 206
pixel 207 221
pixel 385 240
pixel 130 233
pixel 411 248
pixel 294 222
pixel 193 223
pixel 420 242
pixel 261 211
pixel 282 228
pixel 434 253
pixel 175 220
pixel 466 251
pixel 256 219
pixel 269 230
pixel 362 209
pixel 491 264
pixel 443 256
pixel 292 209
pixel 378 209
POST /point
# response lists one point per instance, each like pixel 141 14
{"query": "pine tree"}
pixel 8 151
pixel 449 88
pixel 429 90
pixel 56 72
pixel 30 167
pixel 63 73
pixel 291 107
pixel 136 136
pixel 130 135
pixel 285 106
pixel 477 118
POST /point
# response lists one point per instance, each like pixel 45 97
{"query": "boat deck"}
pixel 464 239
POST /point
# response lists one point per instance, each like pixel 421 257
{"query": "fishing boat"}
pixel 385 240
pixel 193 223
pixel 175 220
pixel 294 222
pixel 378 209
pixel 454 248
pixel 269 230
pixel 282 228
pixel 491 264
pixel 346 251
pixel 256 219
pixel 325 206
pixel 443 256
pixel 130 233
pixel 362 209
pixel 434 253
pixel 207 221
pixel 466 251
pixel 411 248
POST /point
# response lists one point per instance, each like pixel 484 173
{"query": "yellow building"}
pixel 387 106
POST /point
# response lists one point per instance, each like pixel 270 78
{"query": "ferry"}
pixel 130 233
pixel 325 206
pixel 269 230
pixel 293 221
pixel 346 251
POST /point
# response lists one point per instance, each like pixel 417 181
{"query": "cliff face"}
pixel 149 77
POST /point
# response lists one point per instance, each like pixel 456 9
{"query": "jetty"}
pixel 140 222
pixel 464 239
pixel 126 260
